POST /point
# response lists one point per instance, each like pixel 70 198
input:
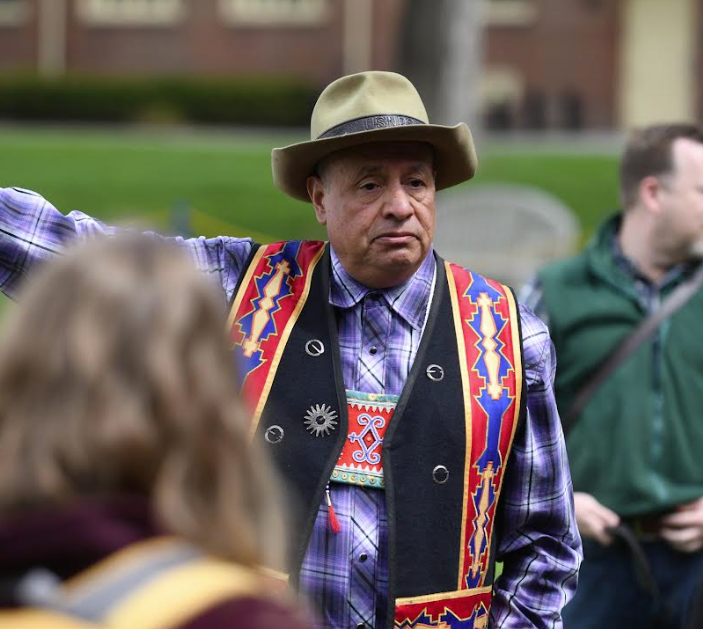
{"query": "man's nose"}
pixel 398 203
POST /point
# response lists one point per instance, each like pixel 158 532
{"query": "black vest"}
pixel 427 430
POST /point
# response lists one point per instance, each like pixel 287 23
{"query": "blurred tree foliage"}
pixel 258 101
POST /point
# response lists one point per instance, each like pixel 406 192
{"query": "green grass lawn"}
pixel 115 174
pixel 225 178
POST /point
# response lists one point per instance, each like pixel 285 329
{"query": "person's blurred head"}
pixel 115 377
pixel 661 174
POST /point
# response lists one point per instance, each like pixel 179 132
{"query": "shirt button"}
pixel 363 557
pixel 372 350
pixel 361 625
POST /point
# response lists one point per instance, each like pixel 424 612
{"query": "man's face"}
pixel 681 202
pixel 378 204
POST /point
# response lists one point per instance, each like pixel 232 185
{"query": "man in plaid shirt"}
pixel 371 170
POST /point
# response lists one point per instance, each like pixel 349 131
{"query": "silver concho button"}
pixel 440 474
pixel 435 372
pixel 274 434
pixel 315 347
pixel 320 420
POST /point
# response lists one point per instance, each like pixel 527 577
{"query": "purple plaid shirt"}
pixel 345 575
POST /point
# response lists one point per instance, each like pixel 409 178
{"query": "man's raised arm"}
pixel 32 230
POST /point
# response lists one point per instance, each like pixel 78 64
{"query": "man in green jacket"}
pixel 636 449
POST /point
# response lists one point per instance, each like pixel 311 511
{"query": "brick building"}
pixel 596 63
pixel 548 63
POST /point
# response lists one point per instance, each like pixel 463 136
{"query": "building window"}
pixel 268 12
pixel 571 110
pixel 510 12
pixel 131 12
pixel 501 92
pixel 13 12
pixel 534 110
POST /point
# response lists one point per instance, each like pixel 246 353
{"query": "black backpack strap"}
pixel 664 614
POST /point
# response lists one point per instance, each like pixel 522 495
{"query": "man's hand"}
pixel 683 528
pixel 594 519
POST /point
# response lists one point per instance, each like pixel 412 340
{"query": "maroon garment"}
pixel 67 540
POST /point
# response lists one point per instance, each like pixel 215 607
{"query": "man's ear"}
pixel 316 190
pixel 649 189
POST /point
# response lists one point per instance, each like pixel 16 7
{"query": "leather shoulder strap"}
pixel 675 301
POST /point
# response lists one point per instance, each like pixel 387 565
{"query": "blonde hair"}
pixel 115 376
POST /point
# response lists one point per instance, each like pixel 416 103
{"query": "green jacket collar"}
pixel 601 260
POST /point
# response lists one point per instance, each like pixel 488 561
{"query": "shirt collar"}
pixel 630 268
pixel 409 299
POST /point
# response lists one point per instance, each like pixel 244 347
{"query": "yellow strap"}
pixel 121 560
pixel 39 619
pixel 168 600
pixel 183 593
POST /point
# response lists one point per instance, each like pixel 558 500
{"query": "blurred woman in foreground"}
pixel 122 436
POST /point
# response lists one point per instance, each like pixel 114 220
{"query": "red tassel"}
pixel 333 521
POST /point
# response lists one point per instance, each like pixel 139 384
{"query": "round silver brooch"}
pixel 315 347
pixel 274 434
pixel 320 420
pixel 435 372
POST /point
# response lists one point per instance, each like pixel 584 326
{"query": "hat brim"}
pixel 455 155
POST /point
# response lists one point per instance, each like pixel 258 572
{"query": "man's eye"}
pixel 369 186
pixel 417 183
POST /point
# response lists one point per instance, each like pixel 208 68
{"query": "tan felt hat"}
pixel 372 107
